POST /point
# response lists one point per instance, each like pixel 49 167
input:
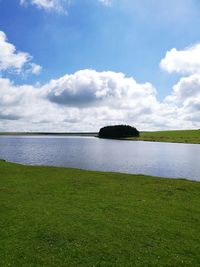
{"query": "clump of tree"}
pixel 118 131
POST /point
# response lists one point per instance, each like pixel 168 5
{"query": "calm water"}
pixel 159 159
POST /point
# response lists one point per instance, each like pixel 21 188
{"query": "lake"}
pixel 137 157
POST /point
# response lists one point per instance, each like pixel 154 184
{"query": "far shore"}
pixel 51 133
pixel 172 136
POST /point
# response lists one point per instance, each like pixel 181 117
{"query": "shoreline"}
pixel 100 172
pixel 47 134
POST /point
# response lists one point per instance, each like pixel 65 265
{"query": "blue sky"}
pixel 126 36
pixel 129 36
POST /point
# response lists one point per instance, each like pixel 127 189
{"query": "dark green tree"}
pixel 118 131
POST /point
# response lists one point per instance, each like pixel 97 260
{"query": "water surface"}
pixel 152 158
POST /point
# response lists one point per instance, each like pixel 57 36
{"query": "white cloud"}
pixel 49 5
pixel 85 100
pixel 106 2
pixel 56 5
pixel 89 87
pixel 9 57
pixel 187 88
pixel 88 100
pixel 186 96
pixel 13 60
pixel 35 69
pixel 185 61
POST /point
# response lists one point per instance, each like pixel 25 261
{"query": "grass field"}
pixel 179 136
pixel 67 217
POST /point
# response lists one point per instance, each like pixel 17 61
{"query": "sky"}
pixel 79 65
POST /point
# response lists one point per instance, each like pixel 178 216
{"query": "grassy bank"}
pixel 179 136
pixel 67 217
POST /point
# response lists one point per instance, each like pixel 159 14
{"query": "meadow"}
pixel 176 136
pixel 68 217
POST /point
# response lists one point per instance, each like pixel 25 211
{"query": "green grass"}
pixel 67 217
pixel 179 136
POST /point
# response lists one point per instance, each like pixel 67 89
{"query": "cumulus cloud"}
pixel 13 60
pixel 9 57
pixel 187 88
pixel 88 100
pixel 89 87
pixel 185 61
pixel 186 95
